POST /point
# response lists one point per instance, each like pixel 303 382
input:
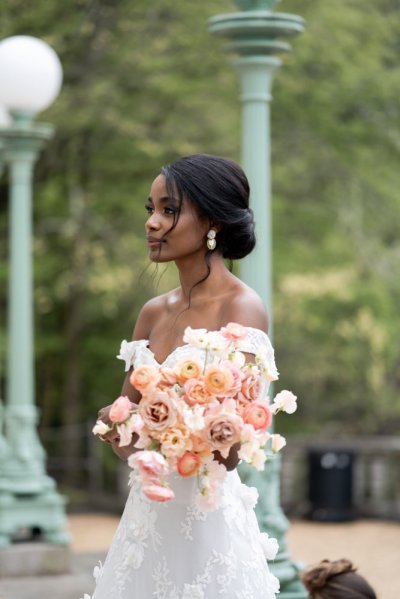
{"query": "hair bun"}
pixel 317 576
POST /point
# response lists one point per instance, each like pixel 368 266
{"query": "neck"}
pixel 192 271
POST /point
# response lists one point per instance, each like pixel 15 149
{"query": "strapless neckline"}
pixel 184 345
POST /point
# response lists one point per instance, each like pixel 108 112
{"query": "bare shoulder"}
pixel 246 308
pixel 148 315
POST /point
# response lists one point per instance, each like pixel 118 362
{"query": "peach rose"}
pixel 188 464
pixel 158 493
pixel 158 411
pixel 237 377
pixel 196 392
pixel 168 378
pixel 174 441
pixel 218 380
pixel 120 409
pixel 234 331
pixel 257 414
pixel 188 369
pixel 222 430
pixel 250 388
pixel 144 378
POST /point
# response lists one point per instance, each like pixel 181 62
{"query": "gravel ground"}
pixel 372 545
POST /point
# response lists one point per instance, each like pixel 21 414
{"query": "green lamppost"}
pixel 30 80
pixel 254 35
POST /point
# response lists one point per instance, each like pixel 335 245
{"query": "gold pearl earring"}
pixel 211 241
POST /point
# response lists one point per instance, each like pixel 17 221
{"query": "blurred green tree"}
pixel 146 83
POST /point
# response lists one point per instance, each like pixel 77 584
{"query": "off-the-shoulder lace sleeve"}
pixel 257 342
pixel 133 352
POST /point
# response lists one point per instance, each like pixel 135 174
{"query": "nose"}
pixel 153 223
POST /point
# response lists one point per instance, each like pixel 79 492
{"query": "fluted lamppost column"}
pixel 253 34
pixel 30 80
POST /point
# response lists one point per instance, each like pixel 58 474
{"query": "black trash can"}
pixel 330 484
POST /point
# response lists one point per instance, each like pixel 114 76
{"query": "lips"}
pixel 154 241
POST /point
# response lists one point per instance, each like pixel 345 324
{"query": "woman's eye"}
pixel 149 209
pixel 170 211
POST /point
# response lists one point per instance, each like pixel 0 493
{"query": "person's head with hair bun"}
pixel 219 189
pixel 336 580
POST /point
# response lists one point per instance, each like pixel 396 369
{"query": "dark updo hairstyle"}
pixel 336 580
pixel 220 191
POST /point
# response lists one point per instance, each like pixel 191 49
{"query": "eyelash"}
pixel 167 210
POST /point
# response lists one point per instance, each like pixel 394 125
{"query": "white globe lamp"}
pixel 30 75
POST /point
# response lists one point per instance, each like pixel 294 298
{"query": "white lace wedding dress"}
pixel 173 550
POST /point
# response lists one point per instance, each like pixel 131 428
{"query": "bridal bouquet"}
pixel 208 402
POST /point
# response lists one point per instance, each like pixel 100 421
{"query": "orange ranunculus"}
pixel 218 380
pixel 144 378
pixel 257 414
pixel 187 369
pixel 188 464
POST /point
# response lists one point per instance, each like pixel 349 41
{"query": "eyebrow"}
pixel 165 199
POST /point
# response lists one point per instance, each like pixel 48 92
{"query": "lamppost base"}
pixel 28 516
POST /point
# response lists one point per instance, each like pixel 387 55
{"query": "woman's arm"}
pixel 141 331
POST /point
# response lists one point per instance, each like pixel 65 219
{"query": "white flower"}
pixel 193 417
pixel 284 401
pixel 192 591
pixel 97 572
pixel 218 344
pixel 237 358
pixel 126 429
pixel 277 442
pixel 249 496
pixel 269 545
pixel 127 353
pixel 252 443
pixel 258 459
pixel 100 428
pixel 195 337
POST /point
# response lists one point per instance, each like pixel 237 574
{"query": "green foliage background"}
pixel 144 83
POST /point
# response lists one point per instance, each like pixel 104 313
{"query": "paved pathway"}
pixel 374 546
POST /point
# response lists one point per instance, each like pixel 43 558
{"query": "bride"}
pixel 198 217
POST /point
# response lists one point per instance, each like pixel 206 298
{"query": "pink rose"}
pixel 150 464
pixel 196 392
pixel 120 409
pixel 144 378
pixel 188 464
pixel 250 388
pixel 158 411
pixel 222 429
pixel 158 493
pixel 257 414
pixel 234 331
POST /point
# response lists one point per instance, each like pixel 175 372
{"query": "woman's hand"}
pixel 232 460
pixel 113 438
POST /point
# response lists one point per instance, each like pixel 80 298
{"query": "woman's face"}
pixel 186 239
